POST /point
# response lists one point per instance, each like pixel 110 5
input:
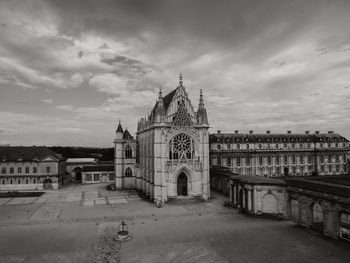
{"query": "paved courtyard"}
pixel 79 223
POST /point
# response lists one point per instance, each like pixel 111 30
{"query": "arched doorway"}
pixel 317 216
pixel 269 204
pixel 48 184
pixel 77 174
pixel 182 188
pixel 345 226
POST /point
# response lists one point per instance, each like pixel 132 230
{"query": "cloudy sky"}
pixel 70 69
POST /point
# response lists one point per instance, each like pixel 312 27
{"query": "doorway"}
pixel 182 188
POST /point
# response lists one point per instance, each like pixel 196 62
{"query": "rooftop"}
pixel 26 153
pixel 98 168
pixel 337 185
pixel 278 137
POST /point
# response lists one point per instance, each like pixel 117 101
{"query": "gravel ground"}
pixel 64 230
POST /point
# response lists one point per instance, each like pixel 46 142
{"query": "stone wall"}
pixel 332 207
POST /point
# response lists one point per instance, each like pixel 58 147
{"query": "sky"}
pixel 70 70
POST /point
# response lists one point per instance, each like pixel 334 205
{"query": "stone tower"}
pixel 124 159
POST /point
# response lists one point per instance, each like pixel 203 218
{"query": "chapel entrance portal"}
pixel 182 184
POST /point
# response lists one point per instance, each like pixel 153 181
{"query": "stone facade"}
pixel 322 208
pixel 281 154
pixel 26 168
pixel 124 159
pixel 172 150
pixel 98 174
pixel 258 196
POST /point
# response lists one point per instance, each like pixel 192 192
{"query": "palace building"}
pixel 280 154
pixel 170 156
pixel 29 168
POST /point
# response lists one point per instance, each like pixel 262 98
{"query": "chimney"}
pixel 219 131
pixel 268 132
pixel 251 132
pixel 236 132
pixel 330 132
pixel 289 132
pixel 307 132
pixel 317 132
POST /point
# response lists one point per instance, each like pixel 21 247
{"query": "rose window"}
pixel 181 145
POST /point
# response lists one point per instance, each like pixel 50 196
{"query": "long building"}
pixel 280 154
pixel 35 167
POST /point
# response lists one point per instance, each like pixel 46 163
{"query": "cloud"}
pixel 109 83
pixel 265 65
pixel 48 101
pixel 65 107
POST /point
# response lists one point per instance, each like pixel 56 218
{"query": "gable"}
pixel 49 159
pixel 180 97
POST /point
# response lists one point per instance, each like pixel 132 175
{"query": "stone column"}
pixel 249 197
pixel 234 194
pixel 230 193
pixel 244 205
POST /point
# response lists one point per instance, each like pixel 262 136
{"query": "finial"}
pixel 160 92
pixel 180 77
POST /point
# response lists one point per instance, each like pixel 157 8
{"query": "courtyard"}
pixel 78 224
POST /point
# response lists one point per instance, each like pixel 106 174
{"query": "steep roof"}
pixel 98 168
pixel 119 129
pixel 166 101
pixel 168 98
pixel 26 153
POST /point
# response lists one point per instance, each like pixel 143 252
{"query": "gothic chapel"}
pixel 171 150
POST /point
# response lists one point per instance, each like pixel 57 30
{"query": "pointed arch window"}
pixel 180 146
pixel 128 172
pixel 3 170
pixel 128 152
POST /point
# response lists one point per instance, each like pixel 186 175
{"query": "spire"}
pixel 201 100
pixel 160 109
pixel 120 128
pixel 180 79
pixel 202 117
pixel 119 132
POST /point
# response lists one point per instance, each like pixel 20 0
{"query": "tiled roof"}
pixel 26 153
pixel 256 138
pixel 98 168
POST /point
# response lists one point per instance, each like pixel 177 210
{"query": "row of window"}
pixel 19 181
pixel 279 159
pixel 26 170
pixel 279 146
pixel 96 177
pixel 301 170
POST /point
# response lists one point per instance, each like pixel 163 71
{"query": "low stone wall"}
pixel 332 207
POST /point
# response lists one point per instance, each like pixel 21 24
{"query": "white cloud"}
pixel 65 107
pixel 109 83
